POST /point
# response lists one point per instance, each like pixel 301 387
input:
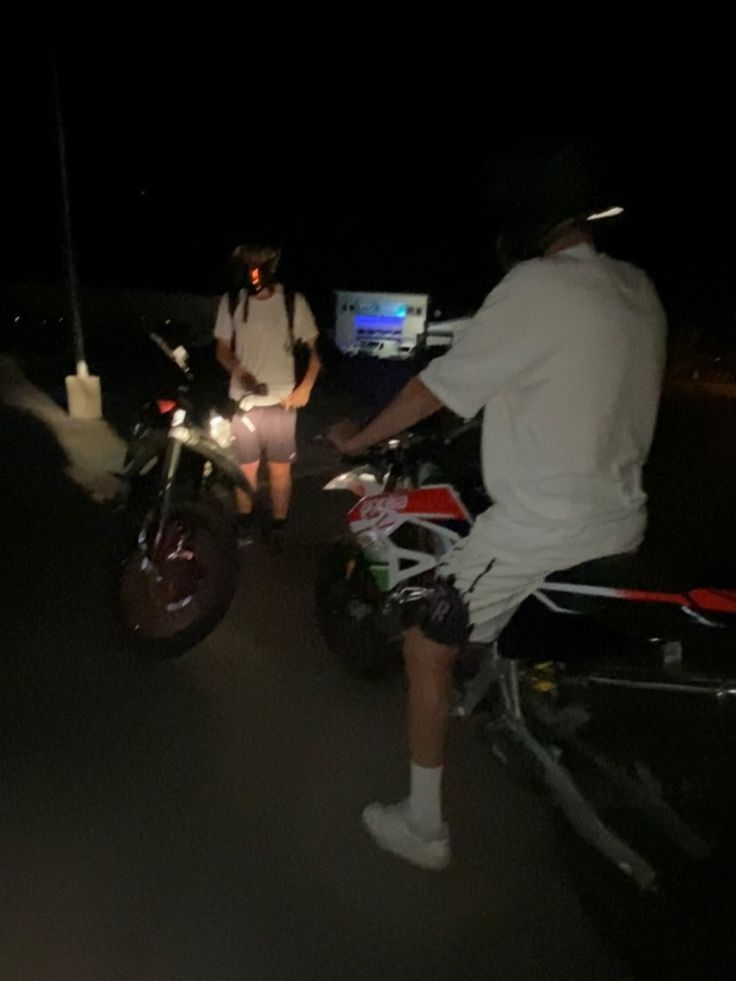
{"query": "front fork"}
pixel 172 459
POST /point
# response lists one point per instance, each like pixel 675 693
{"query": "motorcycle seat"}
pixel 629 592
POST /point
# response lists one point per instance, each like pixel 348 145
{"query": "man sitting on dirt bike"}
pixel 565 357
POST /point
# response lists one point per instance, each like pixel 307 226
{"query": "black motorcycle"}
pixel 179 568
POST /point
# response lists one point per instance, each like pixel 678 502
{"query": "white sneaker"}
pixel 389 827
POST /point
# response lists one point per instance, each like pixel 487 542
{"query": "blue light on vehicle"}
pixel 379 321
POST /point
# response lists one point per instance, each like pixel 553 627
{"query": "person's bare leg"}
pixel 414 829
pixel 245 501
pixel 429 669
pixel 279 475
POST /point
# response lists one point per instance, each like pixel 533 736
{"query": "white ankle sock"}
pixel 425 799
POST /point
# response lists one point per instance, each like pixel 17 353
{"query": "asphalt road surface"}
pixel 199 820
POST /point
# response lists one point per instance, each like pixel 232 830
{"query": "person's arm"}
pixel 304 331
pixel 226 357
pixel 413 403
pixel 299 397
pixel 224 353
pixel 229 361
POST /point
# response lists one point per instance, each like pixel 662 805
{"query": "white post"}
pixel 83 391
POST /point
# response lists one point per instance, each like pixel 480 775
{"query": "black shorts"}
pixel 267 431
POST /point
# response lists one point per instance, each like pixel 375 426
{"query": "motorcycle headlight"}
pixel 220 431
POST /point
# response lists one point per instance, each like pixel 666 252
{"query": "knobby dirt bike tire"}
pixel 170 605
pixel 347 607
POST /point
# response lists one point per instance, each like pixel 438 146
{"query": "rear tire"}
pixel 172 600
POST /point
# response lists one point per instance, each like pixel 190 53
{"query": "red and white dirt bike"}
pixel 611 687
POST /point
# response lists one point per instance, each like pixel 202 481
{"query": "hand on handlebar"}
pixel 340 435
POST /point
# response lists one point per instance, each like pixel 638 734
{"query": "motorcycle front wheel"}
pixel 348 607
pixel 177 584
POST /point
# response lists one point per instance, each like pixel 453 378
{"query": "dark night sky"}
pixel 178 149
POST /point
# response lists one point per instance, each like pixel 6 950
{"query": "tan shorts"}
pixel 267 431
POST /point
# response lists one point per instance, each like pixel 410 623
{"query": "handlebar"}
pixel 178 356
pixel 469 426
pixel 408 442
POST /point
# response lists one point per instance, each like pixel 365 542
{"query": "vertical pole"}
pixel 71 272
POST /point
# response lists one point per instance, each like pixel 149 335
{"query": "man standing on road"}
pixel 565 357
pixel 257 329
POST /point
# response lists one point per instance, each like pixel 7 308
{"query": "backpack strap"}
pixel 290 303
pixel 233 298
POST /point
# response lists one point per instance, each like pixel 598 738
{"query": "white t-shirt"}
pixel 262 343
pixel 566 357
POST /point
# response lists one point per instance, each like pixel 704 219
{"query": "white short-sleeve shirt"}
pixel 262 343
pixel 565 357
